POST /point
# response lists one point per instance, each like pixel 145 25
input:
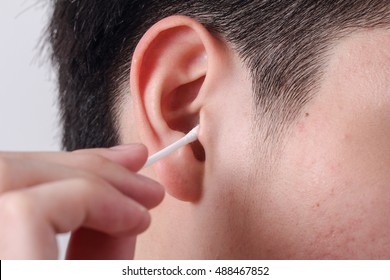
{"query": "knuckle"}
pixel 87 188
pixel 89 184
pixel 16 205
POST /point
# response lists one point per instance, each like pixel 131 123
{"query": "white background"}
pixel 28 114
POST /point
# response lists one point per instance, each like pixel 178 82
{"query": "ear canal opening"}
pixel 198 151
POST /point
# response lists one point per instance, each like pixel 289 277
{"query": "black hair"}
pixel 283 43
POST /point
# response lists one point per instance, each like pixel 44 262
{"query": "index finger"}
pixel 131 156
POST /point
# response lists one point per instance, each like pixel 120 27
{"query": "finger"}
pixel 66 206
pixel 17 174
pixel 89 203
pixel 132 156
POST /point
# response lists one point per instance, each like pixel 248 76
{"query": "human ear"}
pixel 170 74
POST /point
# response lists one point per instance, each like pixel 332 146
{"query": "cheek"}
pixel 334 185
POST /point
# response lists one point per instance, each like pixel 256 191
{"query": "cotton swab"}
pixel 190 137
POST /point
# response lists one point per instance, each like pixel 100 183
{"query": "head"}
pixel 292 98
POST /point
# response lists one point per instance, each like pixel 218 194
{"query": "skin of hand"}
pixel 95 194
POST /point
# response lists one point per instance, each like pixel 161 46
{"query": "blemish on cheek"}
pixel 347 137
pixel 301 127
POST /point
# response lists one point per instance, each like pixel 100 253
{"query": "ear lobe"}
pixel 168 76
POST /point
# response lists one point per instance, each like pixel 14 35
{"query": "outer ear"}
pixel 169 88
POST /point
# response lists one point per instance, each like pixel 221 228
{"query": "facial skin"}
pixel 326 193
pixel 336 161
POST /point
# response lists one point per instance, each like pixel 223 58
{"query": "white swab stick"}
pixel 190 137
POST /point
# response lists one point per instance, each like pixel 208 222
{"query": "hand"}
pixel 93 193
